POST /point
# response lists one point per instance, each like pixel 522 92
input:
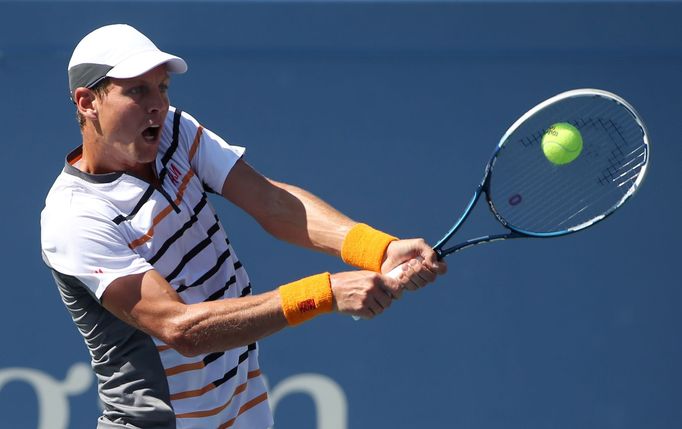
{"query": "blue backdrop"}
pixel 388 110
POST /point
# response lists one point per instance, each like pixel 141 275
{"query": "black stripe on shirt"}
pixel 212 357
pixel 173 146
pixel 143 199
pixel 220 292
pixel 219 262
pixel 209 189
pixel 194 252
pixel 231 373
pixel 246 291
pixel 173 238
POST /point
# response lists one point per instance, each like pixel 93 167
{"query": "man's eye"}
pixel 163 88
pixel 136 90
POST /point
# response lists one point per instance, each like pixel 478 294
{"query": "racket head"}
pixel 532 196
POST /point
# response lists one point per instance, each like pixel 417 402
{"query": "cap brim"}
pixel 142 62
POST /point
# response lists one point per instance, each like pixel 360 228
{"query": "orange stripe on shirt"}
pixel 246 407
pixel 207 388
pixel 178 198
pixel 193 393
pixel 206 413
pixel 195 144
pixel 150 233
pixel 214 411
pixel 184 368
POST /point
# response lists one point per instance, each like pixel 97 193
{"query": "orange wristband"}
pixel 364 247
pixel 306 298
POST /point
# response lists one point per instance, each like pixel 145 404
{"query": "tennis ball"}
pixel 562 143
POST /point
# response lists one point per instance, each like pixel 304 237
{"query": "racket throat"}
pixel 438 248
pixel 478 240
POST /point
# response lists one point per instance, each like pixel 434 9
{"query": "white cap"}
pixel 118 51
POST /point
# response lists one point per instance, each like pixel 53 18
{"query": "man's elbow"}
pixel 182 338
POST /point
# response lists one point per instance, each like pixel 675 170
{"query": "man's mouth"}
pixel 151 134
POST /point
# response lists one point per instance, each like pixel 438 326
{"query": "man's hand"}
pixel 364 293
pixel 422 262
pixel 367 294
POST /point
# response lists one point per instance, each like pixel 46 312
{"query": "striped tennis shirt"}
pixel 97 228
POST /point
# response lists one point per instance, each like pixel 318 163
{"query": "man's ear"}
pixel 86 103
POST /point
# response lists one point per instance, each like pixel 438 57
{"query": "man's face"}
pixel 130 118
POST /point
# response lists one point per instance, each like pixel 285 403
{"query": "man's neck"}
pixel 97 160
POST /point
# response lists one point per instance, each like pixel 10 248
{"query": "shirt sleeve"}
pixel 90 248
pixel 211 157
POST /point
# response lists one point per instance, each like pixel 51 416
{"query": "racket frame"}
pixel 484 186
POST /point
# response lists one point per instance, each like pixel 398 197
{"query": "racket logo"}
pixel 552 131
pixel 515 200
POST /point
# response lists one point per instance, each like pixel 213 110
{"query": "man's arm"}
pixel 287 212
pixel 147 302
pixel 299 217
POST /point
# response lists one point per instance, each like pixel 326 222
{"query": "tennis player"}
pixel 146 269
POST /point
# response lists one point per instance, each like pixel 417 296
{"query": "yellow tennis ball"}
pixel 562 143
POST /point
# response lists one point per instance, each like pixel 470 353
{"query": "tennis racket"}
pixel 534 197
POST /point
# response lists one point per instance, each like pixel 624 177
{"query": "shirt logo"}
pixel 174 174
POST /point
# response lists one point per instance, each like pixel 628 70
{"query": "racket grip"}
pixel 394 274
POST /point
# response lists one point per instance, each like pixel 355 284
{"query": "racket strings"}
pixel 630 190
pixel 573 200
pixel 617 155
pixel 586 205
pixel 597 199
pixel 634 171
pixel 594 198
pixel 531 194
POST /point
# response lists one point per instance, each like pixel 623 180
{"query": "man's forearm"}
pixel 287 212
pixel 226 324
pixel 301 218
